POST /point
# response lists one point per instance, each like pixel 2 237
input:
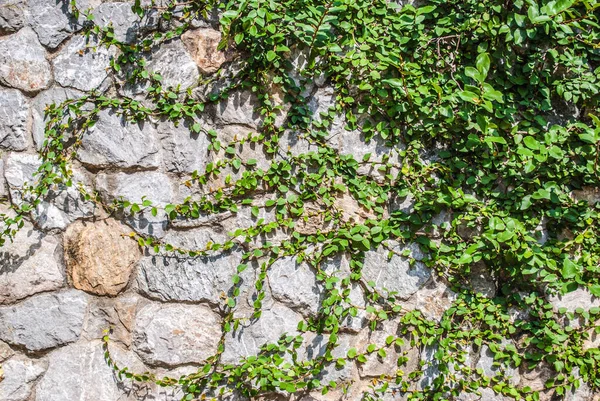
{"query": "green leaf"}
pixel 394 82
pixel 351 353
pixel 271 55
pixel 483 64
pixel 569 269
pixel 531 143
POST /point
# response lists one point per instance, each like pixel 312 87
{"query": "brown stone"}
pixel 202 44
pixel 99 258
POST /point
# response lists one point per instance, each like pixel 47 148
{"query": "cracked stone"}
pixel 14 118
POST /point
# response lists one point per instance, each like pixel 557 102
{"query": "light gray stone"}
pixel 184 279
pixel 295 285
pixel 175 65
pixel 55 95
pixel 116 313
pixel 176 334
pixel 53 21
pixel 580 298
pixel 3 187
pixel 12 15
pixel 157 187
pixel 23 63
pixel 44 321
pixel 248 339
pixel 115 142
pixel 20 374
pixel 61 206
pixel 29 265
pixel 5 351
pixel 14 120
pixel 82 65
pixel 78 372
pixel 238 109
pixel 486 363
pixel 120 16
pixel 184 150
pixel 396 274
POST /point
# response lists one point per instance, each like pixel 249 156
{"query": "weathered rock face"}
pixel 271 325
pixel 44 321
pixel 113 141
pixel 202 44
pixel 23 63
pixel 53 21
pixel 14 118
pixel 295 285
pixel 61 206
pixel 12 15
pixel 396 274
pixel 121 17
pixel 117 313
pixel 175 65
pixel 55 95
pixel 193 331
pixel 29 265
pixel 100 256
pixel 79 372
pixel 20 374
pixel 78 65
pixel 185 151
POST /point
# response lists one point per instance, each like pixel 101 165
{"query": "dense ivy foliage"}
pixel 489 112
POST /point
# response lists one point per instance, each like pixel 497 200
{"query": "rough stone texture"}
pixel 78 65
pixel 79 372
pixel 61 206
pixel 395 275
pixel 99 257
pixel 5 352
pixel 30 264
pixel 175 65
pixel 580 298
pixel 175 334
pixel 178 279
pixel 12 15
pixel 589 194
pixel 486 363
pixel 14 118
pixel 432 300
pixel 120 16
pixel 55 95
pixel 248 339
pixel 23 63
pixel 20 375
pixel 185 151
pixel 53 21
pixel 44 321
pixel 113 141
pixel 116 313
pixel 132 187
pixel 238 109
pixel 202 45
pixel 295 285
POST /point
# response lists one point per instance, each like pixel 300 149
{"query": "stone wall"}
pixel 73 271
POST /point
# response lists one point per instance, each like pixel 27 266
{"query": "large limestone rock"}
pixel 61 206
pixel 12 15
pixel 176 334
pixel 248 339
pixel 183 279
pixel 78 65
pixel 115 142
pixel 23 63
pixel 184 150
pixel 580 298
pixel 55 95
pixel 79 372
pixel 44 321
pixel 120 16
pixel 396 275
pixel 175 65
pixel 30 264
pixel 295 285
pixel 20 374
pixel 202 44
pixel 14 119
pixel 100 256
pixel 53 20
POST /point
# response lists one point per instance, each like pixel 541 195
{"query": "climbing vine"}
pixel 487 114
